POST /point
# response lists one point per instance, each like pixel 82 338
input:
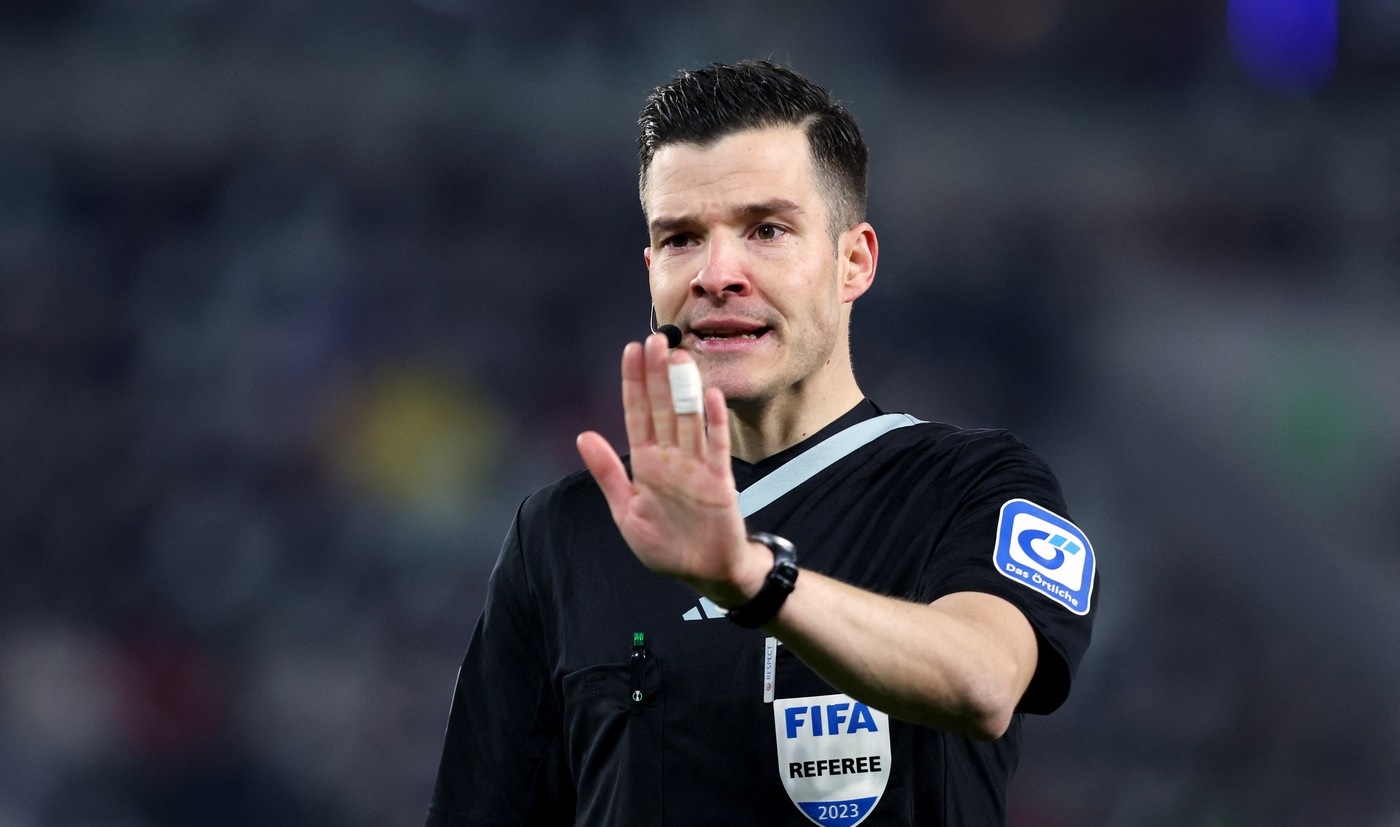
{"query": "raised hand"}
pixel 679 511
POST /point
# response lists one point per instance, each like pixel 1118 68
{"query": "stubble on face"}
pixel 724 195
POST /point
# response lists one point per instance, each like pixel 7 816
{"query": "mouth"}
pixel 727 335
pixel 728 329
pixel 718 335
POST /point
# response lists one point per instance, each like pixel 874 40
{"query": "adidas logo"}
pixel 707 610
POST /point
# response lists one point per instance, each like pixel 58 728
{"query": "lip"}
pixel 732 335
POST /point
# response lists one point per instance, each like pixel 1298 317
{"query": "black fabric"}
pixel 543 729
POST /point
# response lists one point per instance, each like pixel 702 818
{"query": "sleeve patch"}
pixel 1045 553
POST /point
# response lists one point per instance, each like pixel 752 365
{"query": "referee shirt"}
pixel 554 722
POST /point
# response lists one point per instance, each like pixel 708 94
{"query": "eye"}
pixel 676 241
pixel 769 232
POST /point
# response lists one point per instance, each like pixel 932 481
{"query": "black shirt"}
pixel 544 728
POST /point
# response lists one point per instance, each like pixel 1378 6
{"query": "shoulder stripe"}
pixel 806 465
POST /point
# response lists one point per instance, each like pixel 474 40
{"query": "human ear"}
pixel 860 251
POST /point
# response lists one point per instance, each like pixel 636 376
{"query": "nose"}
pixel 723 274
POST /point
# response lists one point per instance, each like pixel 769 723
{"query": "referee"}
pixel 785 605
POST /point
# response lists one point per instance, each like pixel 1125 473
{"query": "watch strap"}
pixel 762 607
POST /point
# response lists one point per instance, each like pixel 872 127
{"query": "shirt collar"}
pixel 746 474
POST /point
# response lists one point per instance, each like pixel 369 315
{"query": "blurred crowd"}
pixel 299 300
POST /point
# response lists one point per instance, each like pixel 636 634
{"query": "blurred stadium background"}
pixel 299 299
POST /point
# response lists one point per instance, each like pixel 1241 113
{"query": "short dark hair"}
pixel 704 105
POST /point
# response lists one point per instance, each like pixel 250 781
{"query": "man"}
pixel 937 595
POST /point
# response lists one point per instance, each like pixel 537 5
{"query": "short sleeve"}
pixel 992 470
pixel 502 760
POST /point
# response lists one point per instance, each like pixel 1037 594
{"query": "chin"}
pixel 742 397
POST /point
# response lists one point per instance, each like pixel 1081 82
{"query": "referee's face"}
pixel 742 259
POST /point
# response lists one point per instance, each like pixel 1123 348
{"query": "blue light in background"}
pixel 1285 45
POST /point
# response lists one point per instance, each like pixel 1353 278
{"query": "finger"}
pixel 717 428
pixel 607 470
pixel 636 410
pixel 690 429
pixel 658 391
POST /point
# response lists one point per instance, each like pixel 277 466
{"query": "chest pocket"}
pixel 614 742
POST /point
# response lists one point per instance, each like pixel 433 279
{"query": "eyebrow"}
pixel 744 212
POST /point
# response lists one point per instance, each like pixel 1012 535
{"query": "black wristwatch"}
pixel 764 605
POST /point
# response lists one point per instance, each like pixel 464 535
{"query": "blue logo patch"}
pixel 1045 552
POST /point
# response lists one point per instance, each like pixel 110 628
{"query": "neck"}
pixel 759 431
